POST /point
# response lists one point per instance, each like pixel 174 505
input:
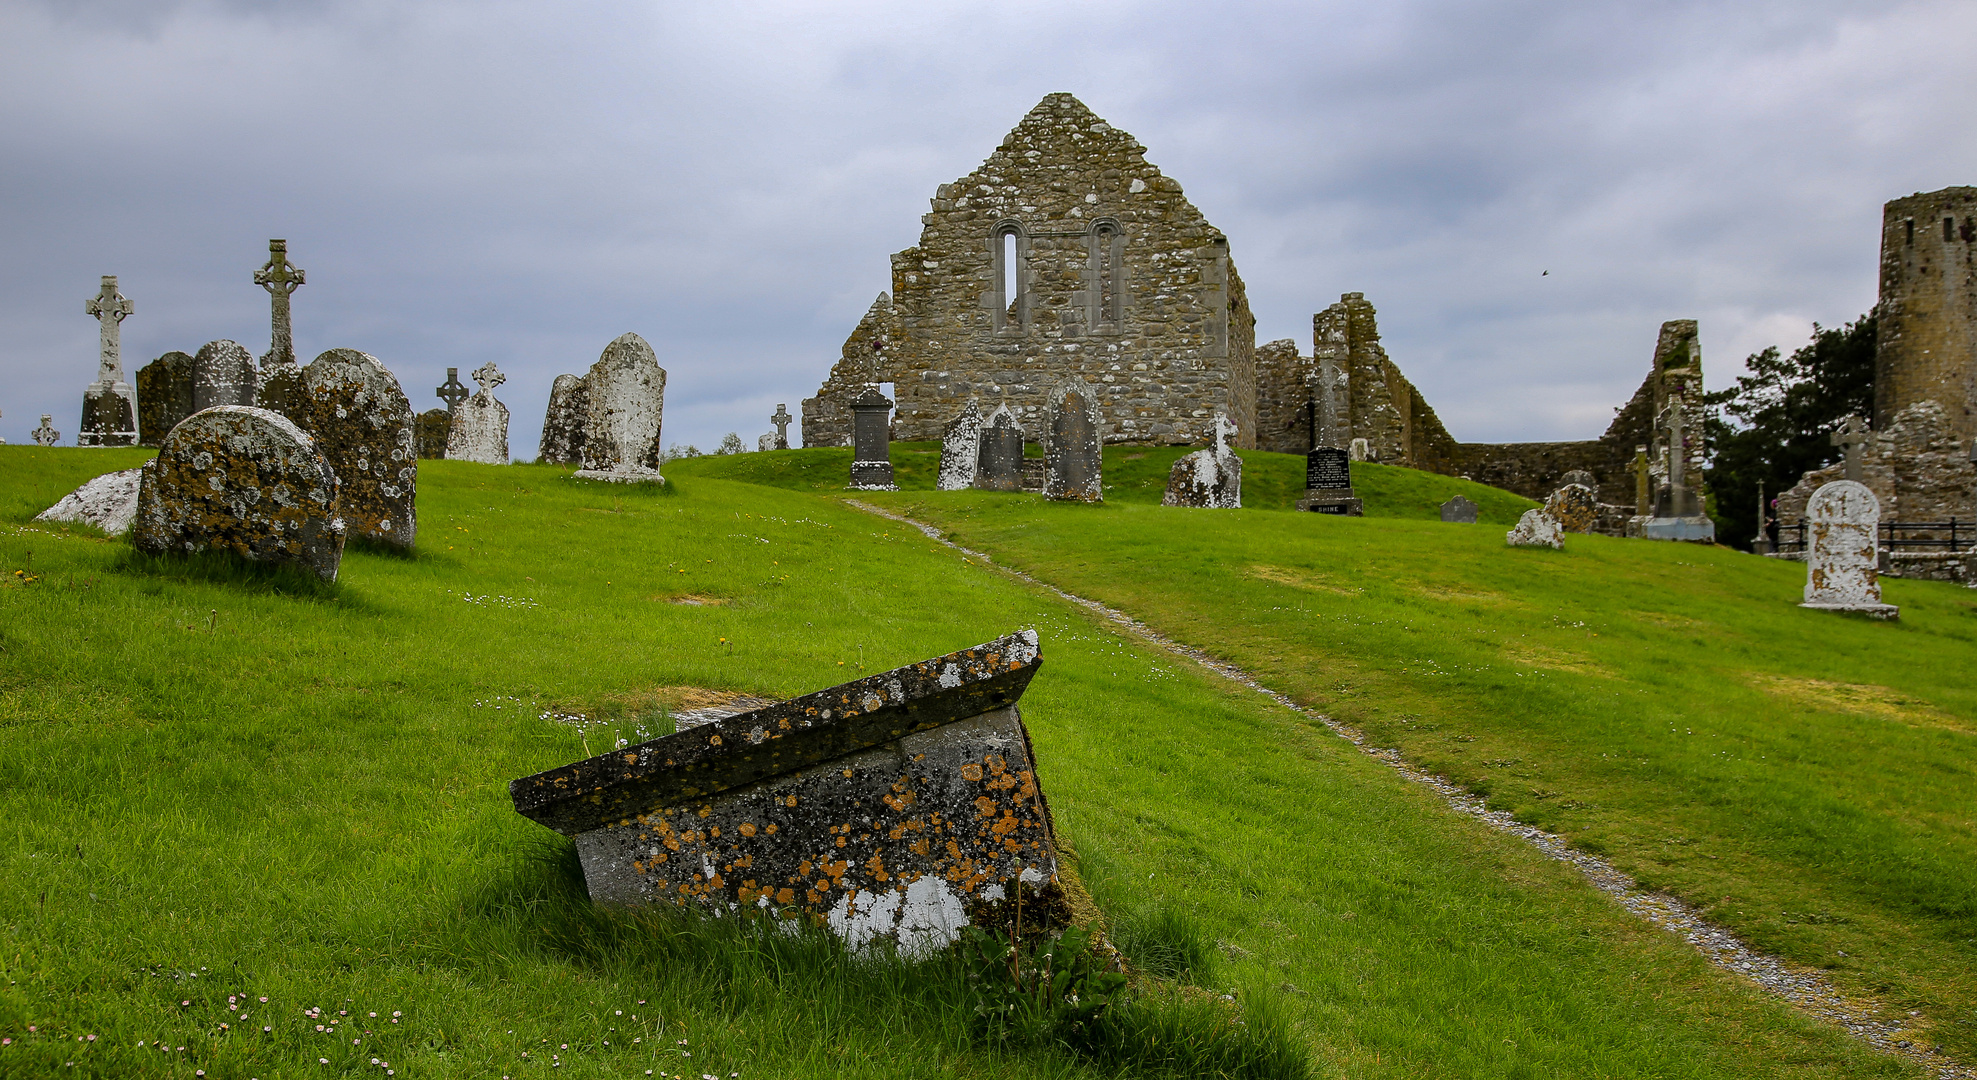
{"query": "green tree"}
pixel 1775 424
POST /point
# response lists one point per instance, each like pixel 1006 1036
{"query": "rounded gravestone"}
pixel 363 424
pixel 222 374
pixel 961 450
pixel 245 481
pixel 1071 449
pixel 164 396
pixel 1842 550
pixel 999 464
pixel 1574 507
pixel 621 424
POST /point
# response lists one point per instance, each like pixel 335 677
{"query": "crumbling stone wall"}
pixel 1919 468
pixel 1119 281
pixel 1926 321
pixel 827 417
pixel 1283 408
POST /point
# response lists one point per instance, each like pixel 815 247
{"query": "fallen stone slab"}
pixel 108 502
pixel 904 805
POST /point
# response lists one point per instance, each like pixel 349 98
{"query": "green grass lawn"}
pixel 222 783
pixel 1803 777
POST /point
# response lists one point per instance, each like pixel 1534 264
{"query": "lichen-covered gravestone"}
pixel 46 435
pixel 904 805
pixel 362 422
pixel 961 450
pixel 622 418
pixel 430 430
pixel 1000 464
pixel 1536 529
pixel 563 421
pixel 871 442
pixel 1459 510
pixel 222 374
pixel 164 396
pixel 1843 521
pixel 480 427
pixel 1073 467
pixel 1575 507
pixel 244 481
pixel 1210 478
pixel 108 502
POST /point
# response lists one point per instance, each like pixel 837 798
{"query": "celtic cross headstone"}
pixel 1850 438
pixel 781 419
pixel 46 435
pixel 109 405
pixel 452 391
pixel 281 278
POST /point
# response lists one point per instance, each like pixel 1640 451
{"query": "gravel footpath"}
pixel 1805 988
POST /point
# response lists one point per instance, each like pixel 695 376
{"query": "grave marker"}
pixel 1072 456
pixel 1000 464
pixel 109 405
pixel 164 396
pixel 961 450
pixel 871 442
pixel 1678 515
pixel 479 431
pixel 222 374
pixel 362 424
pixel 563 422
pixel 781 419
pixel 1850 438
pixel 46 435
pixel 281 279
pixel 1211 478
pixel 1574 507
pixel 452 392
pixel 930 762
pixel 108 502
pixel 1841 551
pixel 625 408
pixel 1459 510
pixel 244 481
pixel 1328 483
pixel 1536 529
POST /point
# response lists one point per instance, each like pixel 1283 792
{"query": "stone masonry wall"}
pixel 862 362
pixel 1926 340
pixel 1282 400
pixel 1120 282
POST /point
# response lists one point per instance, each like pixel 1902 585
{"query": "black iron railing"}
pixel 1951 535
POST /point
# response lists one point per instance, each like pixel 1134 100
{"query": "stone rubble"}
pixel 362 423
pixel 108 502
pixel 244 481
pixel 625 407
pixel 479 431
pixel 904 805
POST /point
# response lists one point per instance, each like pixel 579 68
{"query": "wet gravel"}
pixel 1807 989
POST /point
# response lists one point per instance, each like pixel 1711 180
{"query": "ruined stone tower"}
pixel 1927 317
pixel 1065 255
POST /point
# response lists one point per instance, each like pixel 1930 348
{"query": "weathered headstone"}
pixel 362 424
pixel 1580 477
pixel 46 435
pixel 480 427
pixel 1459 510
pixel 1328 483
pixel 108 502
pixel 1000 464
pixel 563 421
pixel 1678 513
pixel 627 390
pixel 1072 450
pixel 765 442
pixel 1843 519
pixel 431 429
pixel 871 442
pixel 781 418
pixel 109 405
pixel 1536 529
pixel 904 805
pixel 1360 450
pixel 281 279
pixel 1211 478
pixel 164 396
pixel 961 450
pixel 245 481
pixel 1574 507
pixel 222 374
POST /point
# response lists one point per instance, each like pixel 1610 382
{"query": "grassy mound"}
pixel 1805 778
pixel 222 787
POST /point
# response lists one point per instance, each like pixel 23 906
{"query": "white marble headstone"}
pixel 1841 550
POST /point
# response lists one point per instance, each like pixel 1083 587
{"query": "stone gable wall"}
pixel 862 361
pixel 1123 283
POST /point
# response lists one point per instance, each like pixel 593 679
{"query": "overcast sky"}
pixel 522 182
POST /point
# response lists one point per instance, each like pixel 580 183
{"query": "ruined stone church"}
pixel 1065 255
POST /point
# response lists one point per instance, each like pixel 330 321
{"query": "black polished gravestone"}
pixel 1328 483
pixel 1000 464
pixel 871 442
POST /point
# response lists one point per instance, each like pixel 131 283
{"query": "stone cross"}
pixel 281 279
pixel 1677 457
pixel 1642 471
pixel 487 375
pixel 1851 437
pixel 451 391
pixel 110 309
pixel 46 435
pixel 781 420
